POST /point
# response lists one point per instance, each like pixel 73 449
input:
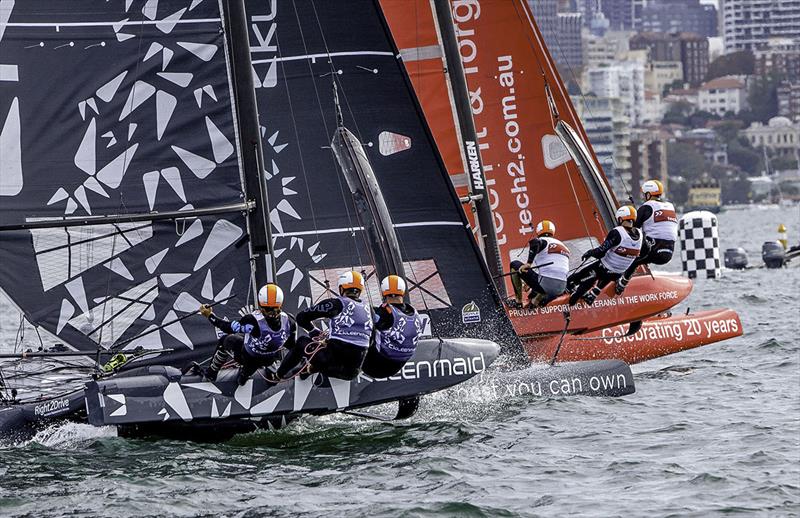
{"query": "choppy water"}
pixel 711 431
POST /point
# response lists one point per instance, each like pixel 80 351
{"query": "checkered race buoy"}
pixel 699 236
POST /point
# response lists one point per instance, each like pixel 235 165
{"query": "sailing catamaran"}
pixel 136 185
pixel 538 165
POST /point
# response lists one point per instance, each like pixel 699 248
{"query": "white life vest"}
pixel 557 254
pixel 663 222
pixel 619 258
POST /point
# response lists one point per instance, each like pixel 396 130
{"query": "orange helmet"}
pixel 545 227
pixel 270 296
pixel 351 281
pixel 626 213
pixel 393 285
pixel 653 188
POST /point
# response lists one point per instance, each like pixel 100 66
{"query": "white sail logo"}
pixel 10 144
pixel 11 151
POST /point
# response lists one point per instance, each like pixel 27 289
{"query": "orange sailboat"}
pixel 537 164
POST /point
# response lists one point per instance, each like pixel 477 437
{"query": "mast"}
pixel 369 202
pixel 254 183
pixel 479 194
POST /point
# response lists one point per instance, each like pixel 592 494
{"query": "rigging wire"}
pixel 553 116
pixel 297 138
pixel 588 108
pixel 337 86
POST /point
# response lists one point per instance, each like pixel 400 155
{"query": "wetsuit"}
pixel 550 257
pixel 397 330
pixel 254 341
pixel 616 254
pixel 350 326
pixel 658 221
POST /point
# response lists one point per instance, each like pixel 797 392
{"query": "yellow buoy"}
pixel 782 236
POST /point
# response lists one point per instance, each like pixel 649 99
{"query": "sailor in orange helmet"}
pixel 341 354
pixel 618 251
pixel 397 330
pixel 257 339
pixel 550 258
pixel 657 219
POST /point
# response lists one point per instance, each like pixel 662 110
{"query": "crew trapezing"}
pixel 357 338
pixel 643 236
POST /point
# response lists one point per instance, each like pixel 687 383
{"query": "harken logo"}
pixel 470 313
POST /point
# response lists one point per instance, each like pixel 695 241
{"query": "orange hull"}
pixel 659 336
pixel 645 296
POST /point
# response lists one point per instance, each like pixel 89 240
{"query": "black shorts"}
pixel 377 365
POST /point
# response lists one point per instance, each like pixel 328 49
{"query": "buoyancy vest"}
pixel 663 222
pixel 354 324
pixel 270 340
pixel 620 257
pixel 399 341
pixel 555 253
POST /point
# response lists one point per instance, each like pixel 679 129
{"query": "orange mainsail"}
pixel 528 169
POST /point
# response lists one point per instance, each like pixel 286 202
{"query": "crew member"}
pixel 350 327
pixel 550 258
pixel 616 254
pixel 658 221
pixel 257 340
pixel 397 330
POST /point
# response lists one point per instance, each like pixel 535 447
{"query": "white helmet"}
pixel 393 285
pixel 351 281
pixel 270 296
pixel 545 227
pixel 626 213
pixel 653 188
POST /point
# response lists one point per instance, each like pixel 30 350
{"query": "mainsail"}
pixel 122 204
pixel 300 49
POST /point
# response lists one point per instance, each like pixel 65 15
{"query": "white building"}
pixel 722 95
pixel 780 135
pixel 600 51
pixel 609 132
pixel 624 81
pixel 654 108
pixel 749 24
pixel 659 74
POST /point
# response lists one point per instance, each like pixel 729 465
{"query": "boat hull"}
pixel 658 337
pixel 644 297
pixel 161 395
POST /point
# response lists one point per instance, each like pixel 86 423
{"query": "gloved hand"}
pixel 524 268
pixel 588 254
pixel 205 310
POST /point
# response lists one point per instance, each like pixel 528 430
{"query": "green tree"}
pixel 678 113
pixel 678 190
pixel 736 190
pixel 728 130
pixel 744 156
pixel 763 98
pixel 678 83
pixel 684 160
pixel 783 163
pixel 735 63
pixel 699 119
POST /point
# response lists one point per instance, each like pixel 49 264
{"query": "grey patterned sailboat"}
pixel 134 188
pixel 132 192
